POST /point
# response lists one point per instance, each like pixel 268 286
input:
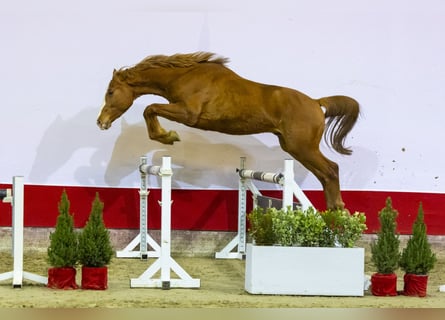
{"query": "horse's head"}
pixel 118 98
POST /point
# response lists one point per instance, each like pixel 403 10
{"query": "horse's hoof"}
pixel 168 138
pixel 172 137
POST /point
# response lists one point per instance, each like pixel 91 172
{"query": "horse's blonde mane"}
pixel 174 61
pixel 178 60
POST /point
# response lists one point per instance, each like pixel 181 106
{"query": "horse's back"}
pixel 223 78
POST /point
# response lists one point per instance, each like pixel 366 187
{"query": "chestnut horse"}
pixel 203 93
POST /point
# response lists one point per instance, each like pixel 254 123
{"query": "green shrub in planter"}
pixel 284 223
pixel 305 228
pixel 417 257
pixel 310 229
pixel 62 251
pixel 95 248
pixel 385 252
pixel 261 226
pixel 343 228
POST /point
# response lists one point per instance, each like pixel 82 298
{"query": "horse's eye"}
pixel 110 92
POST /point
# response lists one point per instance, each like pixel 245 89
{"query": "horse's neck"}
pixel 154 81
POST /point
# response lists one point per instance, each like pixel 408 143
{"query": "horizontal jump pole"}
pixel 261 176
pixel 290 189
pixel 153 170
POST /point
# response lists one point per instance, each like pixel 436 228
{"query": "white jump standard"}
pixel 236 248
pixel 165 263
pixel 17 202
pixel 143 240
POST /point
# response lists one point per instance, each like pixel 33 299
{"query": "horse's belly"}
pixel 237 126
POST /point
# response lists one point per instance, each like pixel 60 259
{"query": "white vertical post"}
pixel 242 212
pixel 239 241
pixel 143 240
pixel 17 201
pixel 17 230
pixel 165 263
pixel 288 194
pixel 143 212
pixel 166 174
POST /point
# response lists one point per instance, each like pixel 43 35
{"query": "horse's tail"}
pixel 342 113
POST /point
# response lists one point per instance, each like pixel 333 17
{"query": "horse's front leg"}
pixel 155 130
pixel 179 112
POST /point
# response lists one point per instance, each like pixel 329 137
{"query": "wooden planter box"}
pixel 305 271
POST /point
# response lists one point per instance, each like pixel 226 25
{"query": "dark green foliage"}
pixel 343 227
pixel 95 248
pixel 62 251
pixel 385 251
pixel 417 257
pixel 309 228
pixel 261 226
pixel 305 228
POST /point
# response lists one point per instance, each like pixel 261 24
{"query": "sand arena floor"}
pixel 222 286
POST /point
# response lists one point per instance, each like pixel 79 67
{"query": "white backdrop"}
pixel 57 59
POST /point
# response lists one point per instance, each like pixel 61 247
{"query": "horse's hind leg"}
pixel 326 171
pixel 331 185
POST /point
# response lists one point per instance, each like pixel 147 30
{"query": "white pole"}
pixel 17 230
pixel 166 174
pixel 288 194
pixel 143 214
pixel 165 262
pixel 139 246
pixel 17 202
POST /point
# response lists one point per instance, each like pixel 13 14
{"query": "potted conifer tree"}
pixel 62 251
pixel 95 249
pixel 417 259
pixel 385 253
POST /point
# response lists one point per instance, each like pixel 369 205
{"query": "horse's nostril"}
pixel 100 124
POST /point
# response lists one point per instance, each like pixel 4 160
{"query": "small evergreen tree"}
pixel 385 251
pixel 95 248
pixel 417 257
pixel 62 251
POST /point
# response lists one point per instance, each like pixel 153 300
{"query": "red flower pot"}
pixel 415 285
pixel 62 278
pixel 384 284
pixel 95 278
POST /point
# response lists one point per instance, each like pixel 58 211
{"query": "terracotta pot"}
pixel 415 285
pixel 94 278
pixel 384 284
pixel 62 278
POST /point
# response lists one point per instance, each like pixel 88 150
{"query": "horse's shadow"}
pixel 62 140
pixel 202 159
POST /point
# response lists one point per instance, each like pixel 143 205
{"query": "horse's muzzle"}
pixel 103 125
